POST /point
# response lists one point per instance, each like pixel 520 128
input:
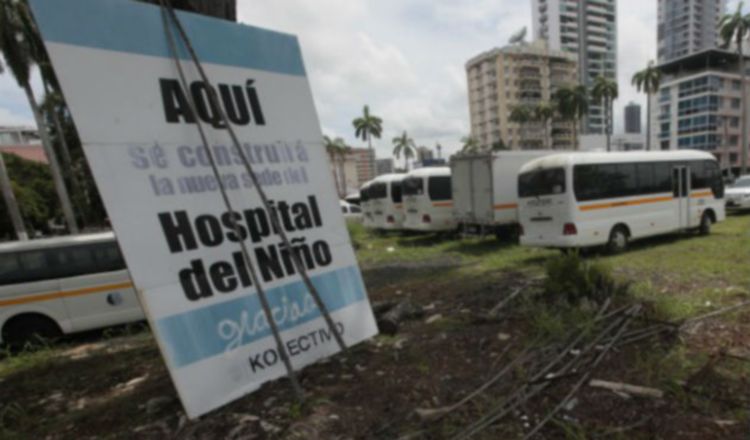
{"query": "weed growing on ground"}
pixel 576 279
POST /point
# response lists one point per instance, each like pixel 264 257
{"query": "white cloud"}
pixel 405 58
pixel 9 118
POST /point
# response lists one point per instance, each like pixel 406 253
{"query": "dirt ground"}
pixel 117 387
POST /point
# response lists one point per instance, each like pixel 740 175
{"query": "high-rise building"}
pixel 687 27
pixel 587 28
pixel 365 159
pixel 633 118
pixel 699 105
pixel 384 166
pixel 424 154
pixel 353 169
pixel 518 75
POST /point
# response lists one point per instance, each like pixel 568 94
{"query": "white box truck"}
pixel 485 190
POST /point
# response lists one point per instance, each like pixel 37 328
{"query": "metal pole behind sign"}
pixel 245 254
pixel 273 215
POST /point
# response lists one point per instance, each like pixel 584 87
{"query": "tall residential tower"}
pixel 687 27
pixel 520 75
pixel 587 28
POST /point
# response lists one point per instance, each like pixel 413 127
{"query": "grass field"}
pixel 114 384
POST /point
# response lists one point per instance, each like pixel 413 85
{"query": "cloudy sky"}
pixel 405 58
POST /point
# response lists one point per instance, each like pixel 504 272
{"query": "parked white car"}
pixel 351 211
pixel 738 194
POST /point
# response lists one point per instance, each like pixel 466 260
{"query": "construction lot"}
pixel 485 346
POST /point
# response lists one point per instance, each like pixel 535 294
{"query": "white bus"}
pixel 581 200
pixel 56 286
pixel 428 201
pixel 368 220
pixel 386 202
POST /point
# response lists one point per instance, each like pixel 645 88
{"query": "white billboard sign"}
pixel 140 138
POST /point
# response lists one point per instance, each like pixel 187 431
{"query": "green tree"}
pixel 404 145
pixel 368 126
pixel 22 48
pixel 648 80
pixel 605 91
pixel 522 115
pixel 543 113
pixel 470 145
pixel 735 28
pixel 337 151
pixel 572 103
pixel 499 146
pixel 35 191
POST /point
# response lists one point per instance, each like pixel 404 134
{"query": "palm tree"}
pixel 572 104
pixel 368 126
pixel 470 145
pixel 404 145
pixel 605 91
pixel 19 44
pixel 736 27
pixel 9 198
pixel 499 146
pixel 337 151
pixel 648 80
pixel 544 112
pixel 521 115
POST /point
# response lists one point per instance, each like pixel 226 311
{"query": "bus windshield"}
pixel 377 191
pixel 541 182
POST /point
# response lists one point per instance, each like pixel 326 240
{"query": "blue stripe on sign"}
pixel 130 26
pixel 199 334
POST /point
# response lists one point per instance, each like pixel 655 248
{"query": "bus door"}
pixel 681 193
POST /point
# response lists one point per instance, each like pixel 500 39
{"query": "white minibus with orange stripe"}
pixel 386 202
pixel 428 201
pixel 368 218
pixel 581 200
pixel 55 286
pixel 485 193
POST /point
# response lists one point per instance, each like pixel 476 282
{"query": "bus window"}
pixel 108 257
pixel 543 182
pixel 23 267
pixel 663 176
pixel 439 188
pixel 377 191
pixel 10 268
pixel 413 186
pixel 698 177
pixel 646 180
pixel 396 192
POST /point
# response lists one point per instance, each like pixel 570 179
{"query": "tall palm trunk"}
pixel 342 167
pixel 744 146
pixel 648 122
pixel 54 165
pixel 10 202
pixel 607 122
pixel 335 173
pixel 66 157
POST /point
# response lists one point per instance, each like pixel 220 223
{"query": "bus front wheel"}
pixel 29 328
pixel 618 240
pixel 706 222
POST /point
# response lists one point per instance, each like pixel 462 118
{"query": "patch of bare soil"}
pixel 120 389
